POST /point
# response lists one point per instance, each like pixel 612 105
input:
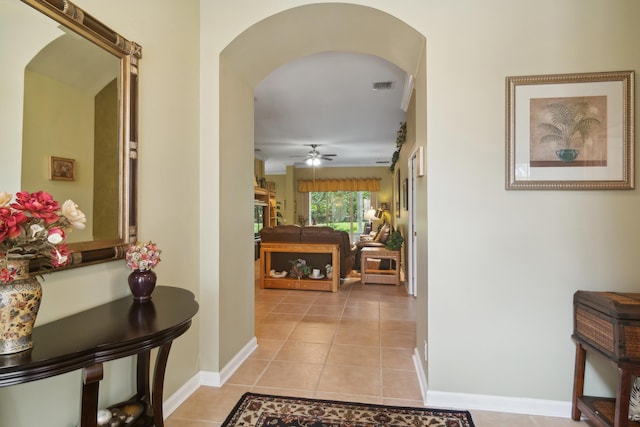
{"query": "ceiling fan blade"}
pixel 326 158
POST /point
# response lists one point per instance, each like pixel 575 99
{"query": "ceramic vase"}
pixel 142 283
pixel 19 304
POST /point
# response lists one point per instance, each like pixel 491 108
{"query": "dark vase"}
pixel 142 284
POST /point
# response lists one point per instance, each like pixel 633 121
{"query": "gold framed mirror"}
pixel 70 99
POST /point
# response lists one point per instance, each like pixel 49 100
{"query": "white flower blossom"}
pixel 55 238
pixel 5 198
pixel 75 216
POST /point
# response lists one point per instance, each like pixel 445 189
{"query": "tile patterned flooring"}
pixel 354 345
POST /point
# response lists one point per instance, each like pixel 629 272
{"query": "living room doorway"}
pixel 243 63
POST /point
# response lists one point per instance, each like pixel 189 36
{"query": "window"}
pixel 341 210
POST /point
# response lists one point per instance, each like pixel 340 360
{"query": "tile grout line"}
pixel 331 343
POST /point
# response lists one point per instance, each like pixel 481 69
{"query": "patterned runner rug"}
pixel 259 410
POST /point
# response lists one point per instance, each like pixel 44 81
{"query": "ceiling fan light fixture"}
pixel 313 162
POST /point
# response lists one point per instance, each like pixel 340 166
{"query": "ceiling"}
pixel 328 99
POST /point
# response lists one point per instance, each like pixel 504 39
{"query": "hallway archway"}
pixel 250 57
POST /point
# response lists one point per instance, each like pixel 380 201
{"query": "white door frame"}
pixel 412 252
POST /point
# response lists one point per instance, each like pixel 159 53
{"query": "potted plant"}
pixel 395 240
pixel 299 268
pixel 568 125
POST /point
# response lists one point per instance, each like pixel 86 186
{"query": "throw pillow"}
pixel 383 234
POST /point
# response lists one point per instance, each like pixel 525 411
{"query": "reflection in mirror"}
pixel 69 87
pixel 71 112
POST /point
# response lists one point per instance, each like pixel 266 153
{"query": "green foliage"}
pixel 279 216
pixel 334 208
pixel 395 240
pixel 299 268
pixel 401 137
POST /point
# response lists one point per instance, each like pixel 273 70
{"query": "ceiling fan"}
pixel 314 157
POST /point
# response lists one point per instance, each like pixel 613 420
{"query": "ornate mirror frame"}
pixel 129 53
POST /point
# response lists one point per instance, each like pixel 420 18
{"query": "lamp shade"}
pixel 370 214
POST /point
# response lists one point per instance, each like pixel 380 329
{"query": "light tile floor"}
pixel 354 345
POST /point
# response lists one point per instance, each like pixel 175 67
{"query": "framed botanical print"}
pixel 570 131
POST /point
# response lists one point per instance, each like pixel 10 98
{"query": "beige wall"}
pixel 168 208
pixel 502 266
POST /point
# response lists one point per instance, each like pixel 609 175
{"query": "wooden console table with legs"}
pixel 110 331
pixel 371 275
pixel 324 284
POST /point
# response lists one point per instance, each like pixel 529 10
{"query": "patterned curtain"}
pixel 343 184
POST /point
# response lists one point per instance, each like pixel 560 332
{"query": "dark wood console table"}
pixel 110 331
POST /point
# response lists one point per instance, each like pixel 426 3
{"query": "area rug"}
pixel 260 410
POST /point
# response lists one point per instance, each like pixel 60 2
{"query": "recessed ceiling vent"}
pixel 382 85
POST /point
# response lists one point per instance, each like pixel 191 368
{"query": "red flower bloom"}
pixel 10 223
pixel 39 204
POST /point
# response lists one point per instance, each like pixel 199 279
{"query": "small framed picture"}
pixel 61 169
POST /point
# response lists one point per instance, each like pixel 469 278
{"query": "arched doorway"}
pixel 243 63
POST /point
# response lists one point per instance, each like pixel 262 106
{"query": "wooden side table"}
pixel 606 324
pixel 375 275
pixel 324 284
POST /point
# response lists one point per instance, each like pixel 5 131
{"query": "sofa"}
pixel 309 234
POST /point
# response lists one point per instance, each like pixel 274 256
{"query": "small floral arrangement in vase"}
pixel 329 269
pixel 142 257
pixel 299 268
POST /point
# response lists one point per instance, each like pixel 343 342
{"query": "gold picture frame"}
pixel 62 169
pixel 570 131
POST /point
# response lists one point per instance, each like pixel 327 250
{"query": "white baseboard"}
pixel 183 393
pixel 208 378
pixel 512 405
pixel 481 402
pixel 237 360
pixel 422 376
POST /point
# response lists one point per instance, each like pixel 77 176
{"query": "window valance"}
pixel 342 184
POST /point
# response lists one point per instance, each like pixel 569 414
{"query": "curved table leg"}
pixel 158 384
